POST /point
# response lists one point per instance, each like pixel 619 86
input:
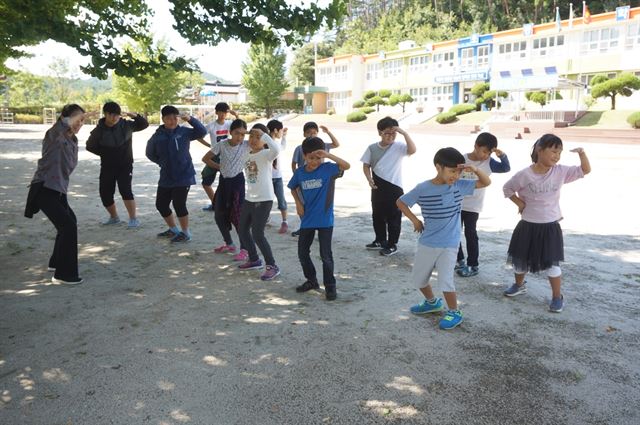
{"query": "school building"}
pixel 560 56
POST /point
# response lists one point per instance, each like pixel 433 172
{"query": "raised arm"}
pixel 483 179
pixel 334 141
pixel 501 166
pixel 411 146
pixel 584 161
pixel 342 164
pixel 139 122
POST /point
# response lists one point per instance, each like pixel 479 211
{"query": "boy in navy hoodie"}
pixel 169 148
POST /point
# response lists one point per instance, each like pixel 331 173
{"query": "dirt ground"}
pixel 165 334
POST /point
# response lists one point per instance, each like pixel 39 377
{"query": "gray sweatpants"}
pixel 253 219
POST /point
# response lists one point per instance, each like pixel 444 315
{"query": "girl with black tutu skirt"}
pixel 536 243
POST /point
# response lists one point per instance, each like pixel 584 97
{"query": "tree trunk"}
pixel 613 102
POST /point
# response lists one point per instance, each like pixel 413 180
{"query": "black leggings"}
pixel 175 195
pixel 109 176
pixel 65 250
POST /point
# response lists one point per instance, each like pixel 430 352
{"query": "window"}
pixel 392 68
pixel 341 72
pixel 441 93
pixel 374 71
pixel 633 36
pixel 483 56
pixel 338 100
pixel 420 95
pixel 466 58
pixel 603 40
pixel 545 46
pixel 510 51
pixel 324 73
pixel 445 59
pixel 418 64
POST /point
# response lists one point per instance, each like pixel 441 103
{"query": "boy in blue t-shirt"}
pixel 312 187
pixel 440 200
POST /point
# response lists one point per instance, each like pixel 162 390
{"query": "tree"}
pixel 401 99
pixel 91 27
pixel 622 85
pixel 149 94
pixel 25 89
pixel 368 95
pixel 61 79
pixel 384 93
pixel 263 76
pixel 302 70
pixel 537 97
pixel 376 101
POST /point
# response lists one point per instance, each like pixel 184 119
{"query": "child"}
pixel 218 132
pixel 48 192
pixel 382 166
pixel 169 148
pixel 310 129
pixel 277 131
pixel 230 195
pixel 536 244
pixel 111 140
pixel 440 200
pixel 486 144
pixel 259 200
pixel 312 187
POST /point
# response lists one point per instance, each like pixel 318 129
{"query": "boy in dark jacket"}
pixel 169 148
pixel 111 141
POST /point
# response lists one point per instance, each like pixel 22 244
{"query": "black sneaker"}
pixel 307 286
pixel 330 293
pixel 389 250
pixel 295 233
pixel 167 234
pixel 374 245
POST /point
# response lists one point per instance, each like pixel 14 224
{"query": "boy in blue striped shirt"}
pixel 440 201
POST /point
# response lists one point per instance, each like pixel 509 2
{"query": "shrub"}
pixel 27 119
pixel 331 111
pixel 367 109
pixel 358 104
pixel 463 108
pixel 634 120
pixel 446 117
pixel 356 116
pixel 384 93
pixel 369 94
pixel 154 119
pixel 249 117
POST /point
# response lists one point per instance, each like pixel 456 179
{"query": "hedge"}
pixel 634 120
pixel 463 108
pixel 367 109
pixel 356 116
pixel 27 119
pixel 446 117
pixel 358 104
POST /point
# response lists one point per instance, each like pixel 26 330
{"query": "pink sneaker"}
pixel 284 228
pixel 225 249
pixel 243 255
pixel 270 273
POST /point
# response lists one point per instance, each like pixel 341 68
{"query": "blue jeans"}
pixel 305 239
pixel 278 188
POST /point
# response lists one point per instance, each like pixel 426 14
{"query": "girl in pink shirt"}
pixel 536 243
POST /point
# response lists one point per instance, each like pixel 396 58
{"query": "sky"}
pixel 223 60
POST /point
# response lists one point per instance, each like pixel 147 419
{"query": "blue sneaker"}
pixel 425 307
pixel 209 208
pixel 556 304
pixel 468 271
pixel 181 237
pixel 111 220
pixel 460 265
pixel 515 289
pixel 133 223
pixel 450 320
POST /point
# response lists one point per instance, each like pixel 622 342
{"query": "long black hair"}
pixel 70 109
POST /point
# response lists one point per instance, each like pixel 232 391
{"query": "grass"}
pixel 605 119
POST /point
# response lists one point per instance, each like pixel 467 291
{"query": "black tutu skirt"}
pixel 536 246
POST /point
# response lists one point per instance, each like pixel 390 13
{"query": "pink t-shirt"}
pixel 541 192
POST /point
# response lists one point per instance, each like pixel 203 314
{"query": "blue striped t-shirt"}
pixel 440 205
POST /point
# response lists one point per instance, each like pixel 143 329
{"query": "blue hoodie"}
pixel 170 150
